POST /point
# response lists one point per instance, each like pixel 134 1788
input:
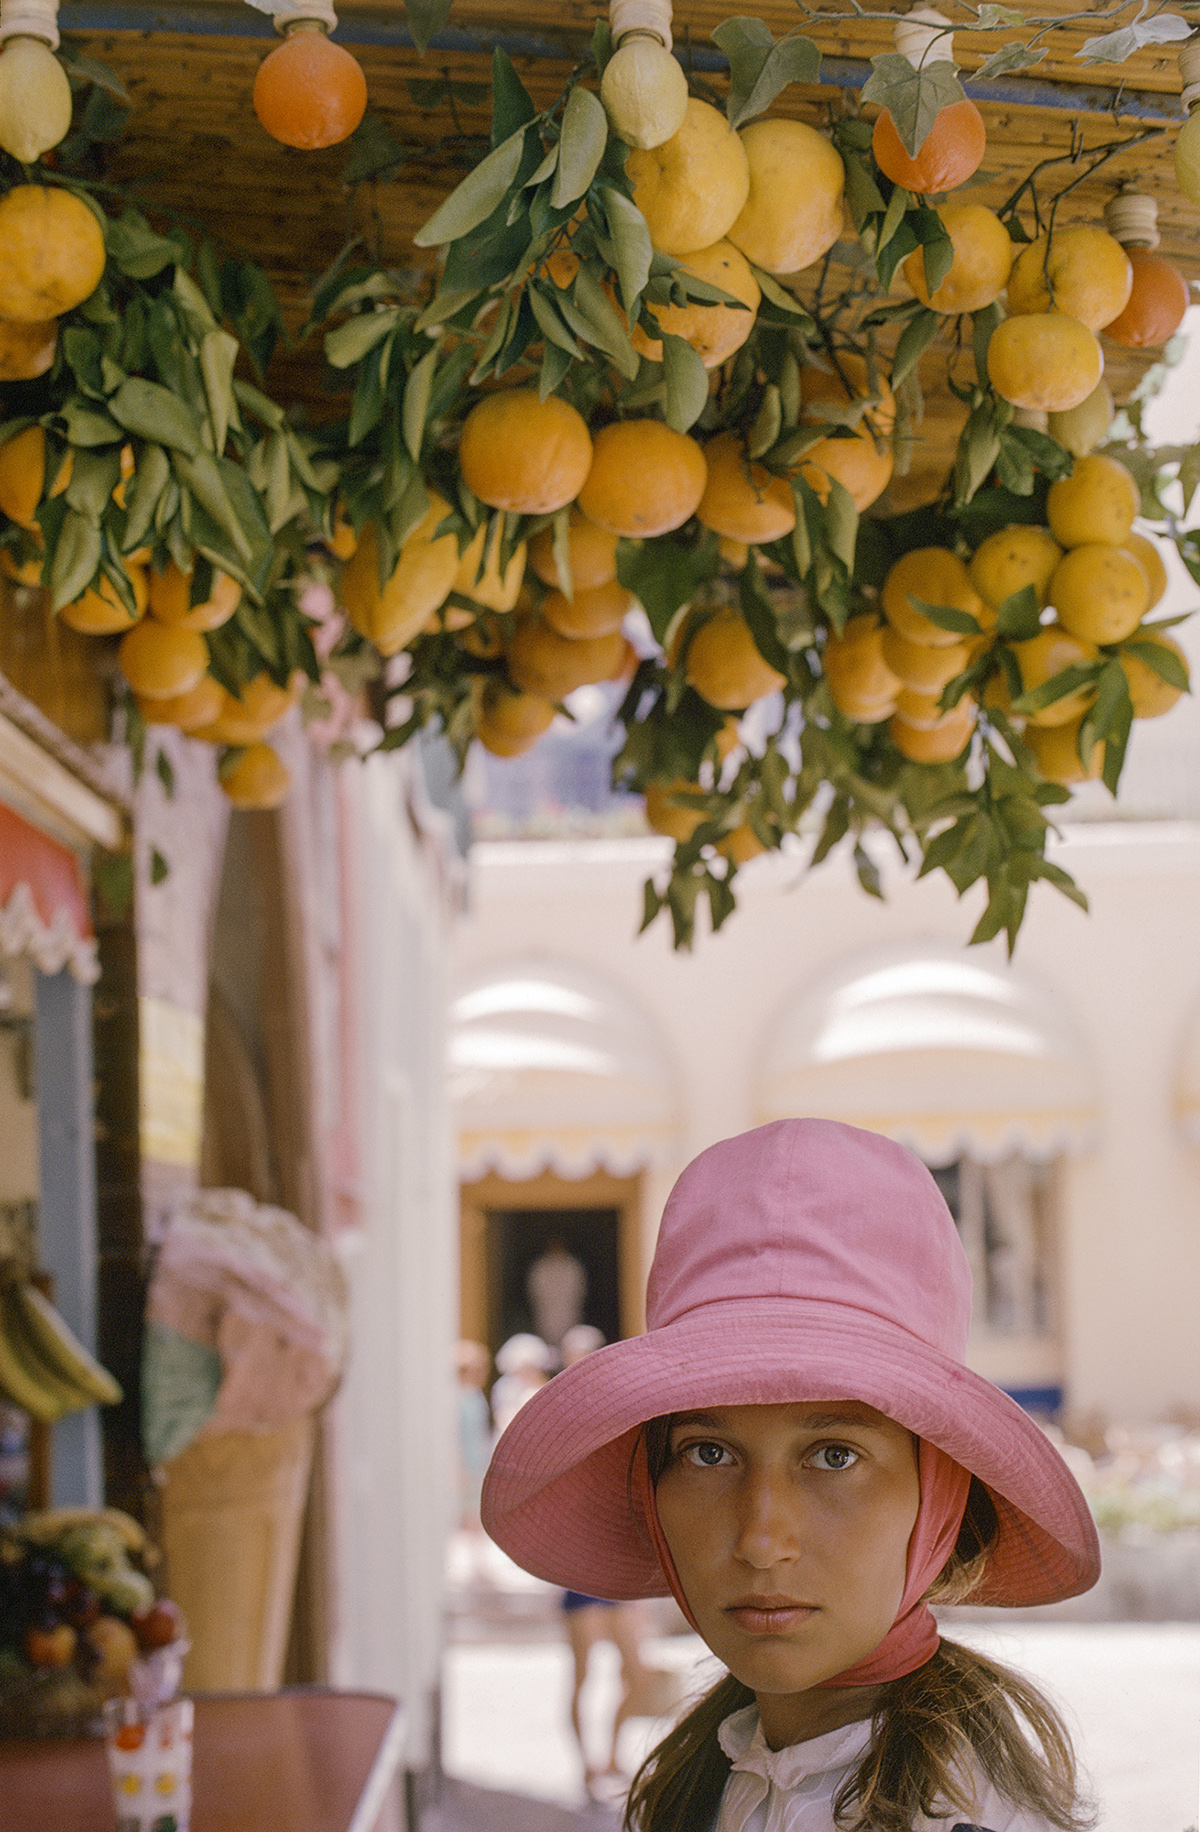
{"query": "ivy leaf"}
pixel 913 98
pixel 687 382
pixel 760 68
pixel 1014 56
pixel 631 242
pixel 991 18
pixel 1019 615
pixel 580 148
pixel 425 17
pixel 480 193
pixel 1115 47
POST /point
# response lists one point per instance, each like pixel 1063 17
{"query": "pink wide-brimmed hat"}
pixel 806 1260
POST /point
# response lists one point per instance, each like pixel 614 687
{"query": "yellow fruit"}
pixel 793 212
pixel 161 662
pixel 714 331
pixel 591 554
pixel 1086 274
pixel 1082 428
pixel 983 255
pixel 521 453
pixel 644 92
pixel 724 664
pixel 342 540
pixel 486 585
pixel 937 576
pixel 189 711
pixel 170 599
pixel 1147 551
pixel 550 666
pixel 1056 749
pixel 506 723
pixel 1151 695
pixel 1012 558
pixel 1043 656
pixel 1097 502
pixel 1100 592
pixel 939 742
pixel 23 475
pixel 423 574
pixel 691 188
pixel 100 612
pixel 1044 360
pixel 857 463
pixel 741 845
pixel 246 717
pixel 645 478
pixel 35 99
pixel 743 500
pixel 51 253
pixel 920 667
pixel 861 685
pixel 666 815
pixel 597 612
pixel 258 778
pixel 26 350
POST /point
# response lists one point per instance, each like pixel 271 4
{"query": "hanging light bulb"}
pixel 1158 297
pixel 35 96
pixel 644 91
pixel 1187 140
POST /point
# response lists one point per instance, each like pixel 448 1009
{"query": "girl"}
pixel 796 1450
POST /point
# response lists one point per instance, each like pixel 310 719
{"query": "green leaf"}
pixel 1115 47
pixel 1067 680
pixel 687 382
pixel 135 247
pixel 1189 474
pixel 580 148
pixel 86 426
pixel 149 481
pixel 218 353
pixel 76 559
pixel 913 98
pixel 760 68
pixel 159 868
pixel 664 574
pixel 425 17
pixel 1019 615
pixel 549 323
pixel 200 474
pixel 863 196
pixel 592 315
pixel 153 412
pixel 1164 662
pixel 868 871
pixel 164 769
pixel 473 201
pixel 512 106
pixel 372 152
pixel 914 340
pixel 416 403
pixel 992 18
pixel 350 342
pixel 1014 56
pixel 938 248
pixel 946 616
pixel 841 523
pixel 631 242
pixel 93 477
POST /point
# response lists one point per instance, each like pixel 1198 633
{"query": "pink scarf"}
pixel 913 1636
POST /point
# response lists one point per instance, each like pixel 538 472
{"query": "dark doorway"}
pixel 517 1237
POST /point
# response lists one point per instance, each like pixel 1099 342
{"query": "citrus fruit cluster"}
pixel 51 258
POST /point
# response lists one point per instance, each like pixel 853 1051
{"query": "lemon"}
pixel 644 92
pixel 35 99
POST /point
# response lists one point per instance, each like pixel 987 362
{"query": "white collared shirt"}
pixel 792 1789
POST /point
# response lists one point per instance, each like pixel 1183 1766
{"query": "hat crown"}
pixel 817 1210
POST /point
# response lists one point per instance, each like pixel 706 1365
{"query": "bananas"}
pixel 44 1368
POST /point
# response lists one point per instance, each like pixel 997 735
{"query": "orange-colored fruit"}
pixel 1097 502
pixel 309 92
pixel 524 454
pixel 1100 592
pixel 258 778
pixel 724 664
pixel 170 599
pixel 741 845
pixel 51 253
pixel 1081 429
pixel 483 581
pixel 1083 272
pixel 1044 359
pixel 937 576
pixel 591 554
pixel 597 612
pixel 856 463
pixel 423 574
pixel 550 666
pixel 952 150
pixel 670 817
pixel 506 723
pixel 983 257
pixel 1157 301
pixel 26 350
pixel 691 188
pixel 23 474
pixel 645 478
pixel 246 717
pixel 188 711
pixel 1148 553
pixel 714 331
pixel 99 612
pixel 793 212
pixel 1011 559
pixel 342 539
pixel 743 500
pixel 161 662
pixel 861 685
pixel 920 667
pixel 1151 695
pixel 939 742
pixel 1056 750
pixel 1043 656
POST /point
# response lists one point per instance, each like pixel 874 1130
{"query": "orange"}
pixel 1056 750
pixel 939 742
pixel 724 664
pixel 856 463
pixel 309 92
pixel 938 576
pixel 983 255
pixel 666 815
pixel 160 662
pixel 952 150
pixel 99 612
pixel 23 475
pixel 591 554
pixel 1044 359
pixel 691 188
pixel 645 478
pixel 550 666
pixel 924 710
pixel 1085 273
pixel 1012 558
pixel 342 540
pixel 507 723
pixel 793 212
pixel 1100 592
pixel 861 685
pixel 714 331
pixel 484 582
pixel 171 601
pixel 743 500
pixel 258 778
pixel 1083 428
pixel 920 667
pixel 51 253
pixel 423 574
pixel 1151 695
pixel 1043 656
pixel 741 845
pixel 1097 502
pixel 189 711
pixel 26 350
pixel 245 717
pixel 1156 573
pixel 1157 301
pixel 595 612
pixel 524 454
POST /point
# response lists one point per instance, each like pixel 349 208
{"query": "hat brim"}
pixel 557 1496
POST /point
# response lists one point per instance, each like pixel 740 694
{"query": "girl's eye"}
pixel 706 1456
pixel 834 1457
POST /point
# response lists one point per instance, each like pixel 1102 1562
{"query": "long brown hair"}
pixel 929 1729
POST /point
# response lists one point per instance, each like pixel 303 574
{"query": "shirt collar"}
pixel 741 1737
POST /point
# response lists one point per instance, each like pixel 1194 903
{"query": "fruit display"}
pixel 78 1613
pixel 44 1368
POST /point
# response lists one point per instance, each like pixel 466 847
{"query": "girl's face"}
pixel 789 1528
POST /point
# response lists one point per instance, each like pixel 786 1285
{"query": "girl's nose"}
pixel 768 1526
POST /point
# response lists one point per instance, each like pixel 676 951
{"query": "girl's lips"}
pixel 769 1615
